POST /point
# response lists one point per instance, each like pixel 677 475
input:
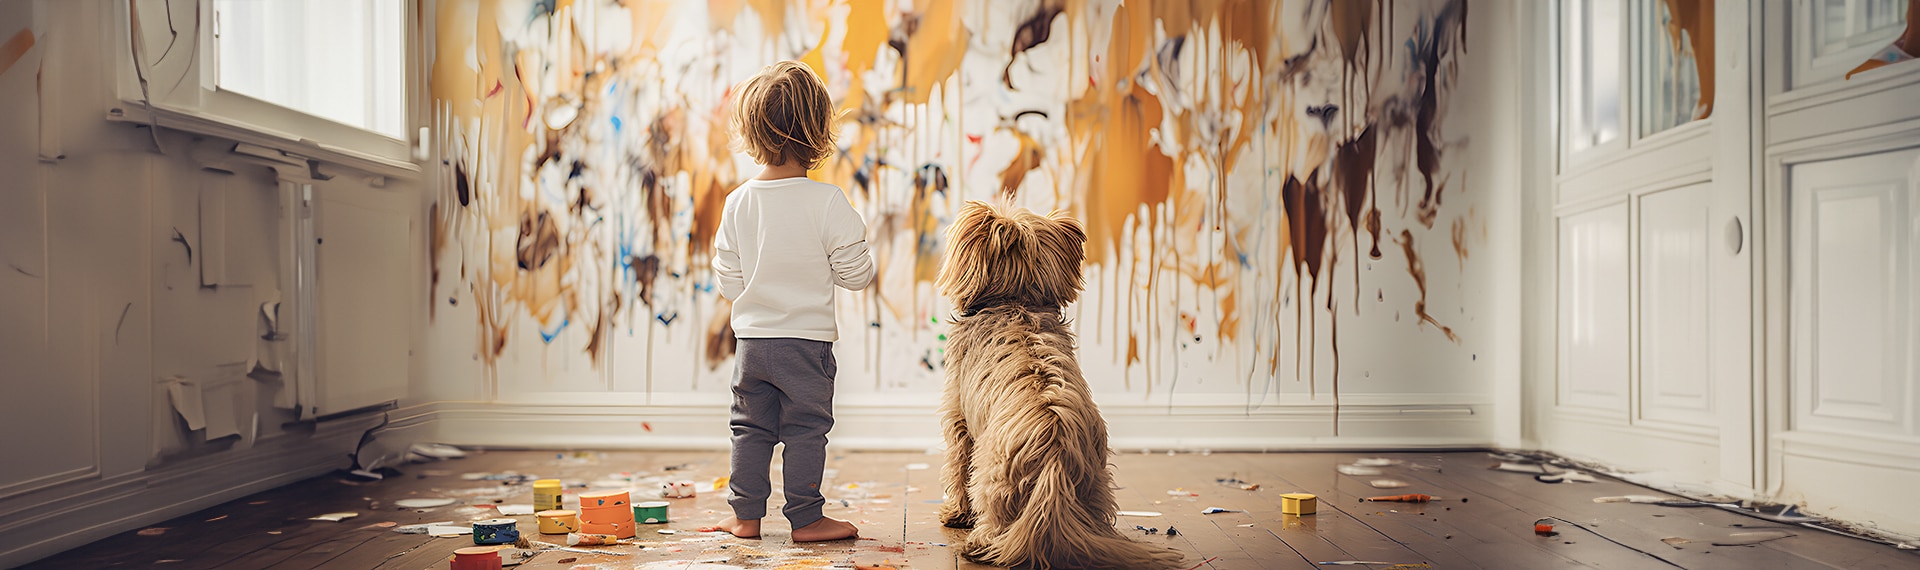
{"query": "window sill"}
pixel 201 124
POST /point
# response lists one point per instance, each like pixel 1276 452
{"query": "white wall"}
pixel 100 306
pixel 576 353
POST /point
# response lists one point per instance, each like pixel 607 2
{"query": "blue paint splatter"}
pixel 616 124
pixel 548 337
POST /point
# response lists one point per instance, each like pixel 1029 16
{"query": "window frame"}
pixel 182 91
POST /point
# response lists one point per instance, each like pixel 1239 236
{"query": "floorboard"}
pixel 1483 519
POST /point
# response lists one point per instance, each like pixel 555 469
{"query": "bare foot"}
pixel 734 526
pixel 827 528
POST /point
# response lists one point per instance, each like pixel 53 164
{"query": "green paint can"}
pixel 650 512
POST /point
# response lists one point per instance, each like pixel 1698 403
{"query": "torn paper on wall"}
pixel 186 401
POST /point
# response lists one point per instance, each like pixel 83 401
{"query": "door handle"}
pixel 1735 235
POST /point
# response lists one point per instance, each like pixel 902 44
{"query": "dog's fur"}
pixel 1026 446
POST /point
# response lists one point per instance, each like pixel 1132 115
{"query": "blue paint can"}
pixel 496 531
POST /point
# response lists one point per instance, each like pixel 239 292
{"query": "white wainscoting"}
pixel 606 421
pixel 1594 326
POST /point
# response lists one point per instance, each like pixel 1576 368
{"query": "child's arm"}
pixel 726 258
pixel 846 245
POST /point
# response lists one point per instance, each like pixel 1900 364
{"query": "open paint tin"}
pixel 650 512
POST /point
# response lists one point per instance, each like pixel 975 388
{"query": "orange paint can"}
pixel 622 529
pixel 606 515
pixel 604 500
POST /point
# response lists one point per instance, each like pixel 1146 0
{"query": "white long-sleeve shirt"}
pixel 781 248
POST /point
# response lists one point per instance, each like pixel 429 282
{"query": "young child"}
pixel 784 243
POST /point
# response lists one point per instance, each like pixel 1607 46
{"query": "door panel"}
pixel 1852 242
pixel 1593 309
pixel 1675 381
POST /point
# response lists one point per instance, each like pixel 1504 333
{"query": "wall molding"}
pixel 1856 448
pixel 64 517
pixel 1446 421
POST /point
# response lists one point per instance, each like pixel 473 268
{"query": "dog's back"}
pixel 1041 489
pixel 1026 446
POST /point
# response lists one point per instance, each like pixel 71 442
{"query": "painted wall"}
pixel 131 280
pixel 1286 212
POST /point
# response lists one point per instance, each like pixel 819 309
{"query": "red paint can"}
pixel 477 558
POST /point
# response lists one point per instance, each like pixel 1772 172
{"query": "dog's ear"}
pixel 997 256
pixel 965 269
pixel 1060 249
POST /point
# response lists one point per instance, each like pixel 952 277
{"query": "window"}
pixel 1631 69
pixel 1677 47
pixel 1831 37
pixel 1676 83
pixel 324 79
pixel 1848 24
pixel 340 60
pixel 1593 63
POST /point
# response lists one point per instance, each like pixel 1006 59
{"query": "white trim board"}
pixel 61 518
pixel 1444 422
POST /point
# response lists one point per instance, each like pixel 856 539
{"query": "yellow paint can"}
pixel 558 521
pixel 546 494
pixel 1298 504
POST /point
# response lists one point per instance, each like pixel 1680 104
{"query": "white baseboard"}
pixel 48 521
pixel 589 422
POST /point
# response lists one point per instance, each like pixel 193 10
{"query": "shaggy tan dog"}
pixel 1026 446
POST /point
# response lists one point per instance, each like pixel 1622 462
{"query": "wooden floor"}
pixel 1485 519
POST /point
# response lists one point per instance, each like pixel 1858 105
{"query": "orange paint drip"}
pixel 15 48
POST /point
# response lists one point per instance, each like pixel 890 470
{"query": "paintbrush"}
pixel 1411 498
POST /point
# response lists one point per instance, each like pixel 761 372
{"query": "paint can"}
pixel 477 558
pixel 604 500
pixel 558 521
pixel 677 490
pixel 606 515
pixel 622 529
pixel 650 512
pixel 496 531
pixel 1298 504
pixel 546 495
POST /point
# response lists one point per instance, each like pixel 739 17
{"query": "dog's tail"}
pixel 1059 528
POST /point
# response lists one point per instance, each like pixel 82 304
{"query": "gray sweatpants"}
pixel 782 393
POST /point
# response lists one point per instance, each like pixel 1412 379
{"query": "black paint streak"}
pixel 23 271
pixel 123 322
pixel 1035 30
pixel 462 187
pixel 182 240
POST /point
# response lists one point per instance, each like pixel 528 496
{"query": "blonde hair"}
pixel 782 114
